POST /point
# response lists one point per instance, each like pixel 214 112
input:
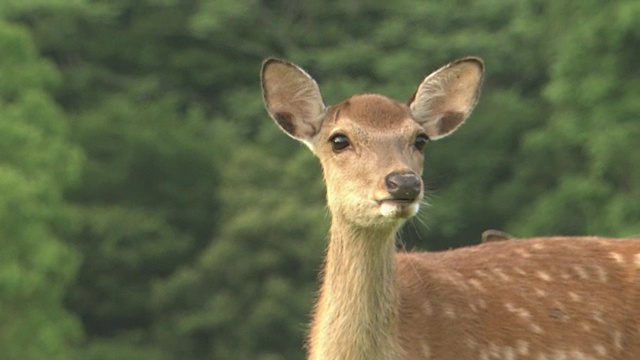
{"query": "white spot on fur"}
pixel 602 273
pixel 617 257
pixel 542 357
pixel 538 246
pixel 522 347
pixel 477 284
pixel 558 355
pixel 458 280
pixel 581 271
pixel 525 254
pixel 575 297
pixel 482 304
pixel 536 329
pixel 597 316
pixel 524 314
pixel 521 312
pixel 520 271
pixel 494 351
pixel 471 343
pixel 600 349
pixel 449 311
pixel 617 340
pixel 636 260
pixel 543 275
pixel 540 292
pixel 426 351
pixel 427 308
pixel 500 273
pixel 484 354
pixel 579 355
pixel 509 353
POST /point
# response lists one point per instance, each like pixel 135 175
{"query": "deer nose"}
pixel 403 185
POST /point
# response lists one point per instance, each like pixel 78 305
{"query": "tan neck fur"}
pixel 356 315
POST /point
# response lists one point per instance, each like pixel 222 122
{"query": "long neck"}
pixel 355 317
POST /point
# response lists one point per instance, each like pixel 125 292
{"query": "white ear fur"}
pixel 444 99
pixel 293 99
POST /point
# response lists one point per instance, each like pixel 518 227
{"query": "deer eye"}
pixel 339 142
pixel 421 141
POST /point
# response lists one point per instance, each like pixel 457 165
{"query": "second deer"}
pixel 541 298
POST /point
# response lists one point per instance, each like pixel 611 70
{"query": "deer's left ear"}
pixel 445 98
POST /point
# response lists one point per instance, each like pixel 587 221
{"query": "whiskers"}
pixel 415 229
pixel 419 223
pixel 420 219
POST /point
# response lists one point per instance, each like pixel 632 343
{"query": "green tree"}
pixel 37 162
pixel 137 94
pixel 581 164
pixel 148 201
pixel 250 291
pixel 202 226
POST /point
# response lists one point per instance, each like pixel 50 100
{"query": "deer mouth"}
pixel 399 208
pixel 399 201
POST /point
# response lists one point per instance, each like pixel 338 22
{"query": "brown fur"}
pixel 541 298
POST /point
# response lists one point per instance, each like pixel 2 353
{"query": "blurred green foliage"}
pixel 37 161
pixel 150 209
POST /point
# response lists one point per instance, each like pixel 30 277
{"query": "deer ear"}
pixel 445 98
pixel 293 99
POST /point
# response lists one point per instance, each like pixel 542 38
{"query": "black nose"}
pixel 403 185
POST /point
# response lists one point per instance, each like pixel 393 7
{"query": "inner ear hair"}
pixel 292 99
pixel 444 99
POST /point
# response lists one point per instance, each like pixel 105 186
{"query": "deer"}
pixel 494 235
pixel 536 298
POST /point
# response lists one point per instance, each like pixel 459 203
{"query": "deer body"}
pixel 553 298
pixel 541 298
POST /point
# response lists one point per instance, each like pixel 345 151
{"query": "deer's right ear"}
pixel 293 99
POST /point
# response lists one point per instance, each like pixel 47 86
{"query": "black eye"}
pixel 339 142
pixel 421 141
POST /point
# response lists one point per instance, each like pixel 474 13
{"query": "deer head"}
pixel 371 147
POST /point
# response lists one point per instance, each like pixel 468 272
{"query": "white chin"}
pixel 390 209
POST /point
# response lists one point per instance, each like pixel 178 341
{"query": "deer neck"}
pixel 356 314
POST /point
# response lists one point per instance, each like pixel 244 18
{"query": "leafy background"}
pixel 150 209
